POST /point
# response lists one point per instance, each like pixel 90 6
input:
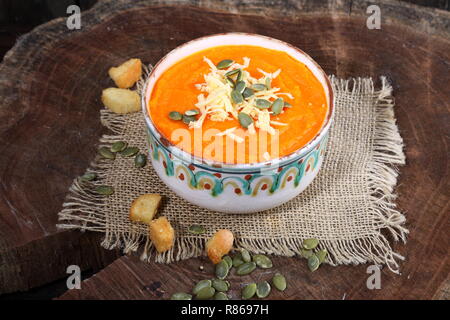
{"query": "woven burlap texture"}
pixel 347 206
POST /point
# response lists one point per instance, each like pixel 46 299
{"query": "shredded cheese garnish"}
pixel 216 99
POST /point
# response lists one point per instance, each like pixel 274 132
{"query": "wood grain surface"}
pixel 50 85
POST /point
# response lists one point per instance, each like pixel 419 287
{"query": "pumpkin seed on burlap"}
pixel 321 254
pixel 262 261
pixel 313 263
pixel 88 176
pixel 104 190
pixel 140 160
pixel 249 291
pixel 129 151
pixel 118 146
pixel 310 244
pixel 220 285
pixel 306 253
pixel 197 229
pixel 245 255
pixel 106 153
pixel 181 296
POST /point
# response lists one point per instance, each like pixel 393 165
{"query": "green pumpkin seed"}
pixel 192 112
pixel 245 268
pixel 240 86
pixel 220 296
pixel 106 153
pixel 230 81
pixel 224 64
pixel 222 270
pixel 232 72
pixel 188 119
pixel 181 296
pixel 129 151
pixel 245 255
pixel 279 282
pixel 237 260
pixel 263 289
pixel 220 285
pixel 247 93
pixel 240 75
pixel 277 106
pixel 104 190
pixel 228 260
pixel 306 253
pixel 287 105
pixel 88 176
pixel 236 96
pixel 321 254
pixel 118 146
pixel 313 263
pixel 197 229
pixel 140 160
pixel 262 103
pixel 244 119
pixel 310 244
pixel 262 261
pixel 259 86
pixel 249 291
pixel 205 293
pixel 268 83
pixel 175 115
pixel 200 285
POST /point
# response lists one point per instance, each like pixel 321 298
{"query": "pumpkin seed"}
pixel 277 106
pixel 181 296
pixel 287 105
pixel 206 293
pixel 232 72
pixel 188 119
pixel 244 119
pixel 197 229
pixel 222 270
pixel 129 151
pixel 259 86
pixel 245 255
pixel 230 81
pixel 236 96
pixel 249 291
pixel 192 112
pixel 313 263
pixel 322 254
pixel 175 115
pixel 263 289
pixel 104 190
pixel 220 296
pixel 118 146
pixel 88 176
pixel 268 83
pixel 245 268
pixel 247 93
pixel 240 75
pixel 306 253
pixel 106 153
pixel 228 260
pixel 262 261
pixel 263 103
pixel 237 260
pixel 309 244
pixel 220 285
pixel 279 281
pixel 240 86
pixel 224 64
pixel 140 160
pixel 200 285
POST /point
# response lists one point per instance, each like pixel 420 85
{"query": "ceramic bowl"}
pixel 236 188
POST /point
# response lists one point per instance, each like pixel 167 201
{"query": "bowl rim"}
pixel 224 167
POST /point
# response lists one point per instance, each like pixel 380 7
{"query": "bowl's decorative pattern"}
pixel 214 182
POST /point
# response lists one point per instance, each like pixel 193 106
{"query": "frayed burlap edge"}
pixel 382 178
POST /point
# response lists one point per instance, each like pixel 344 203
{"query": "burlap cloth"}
pixel 347 206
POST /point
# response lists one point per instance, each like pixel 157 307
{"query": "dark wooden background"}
pixel 44 144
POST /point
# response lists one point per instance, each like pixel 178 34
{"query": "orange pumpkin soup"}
pixel 210 104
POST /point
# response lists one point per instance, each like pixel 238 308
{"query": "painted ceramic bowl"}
pixel 236 188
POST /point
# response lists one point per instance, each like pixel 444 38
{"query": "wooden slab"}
pixel 50 84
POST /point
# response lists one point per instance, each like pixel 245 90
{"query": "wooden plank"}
pixel 49 126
